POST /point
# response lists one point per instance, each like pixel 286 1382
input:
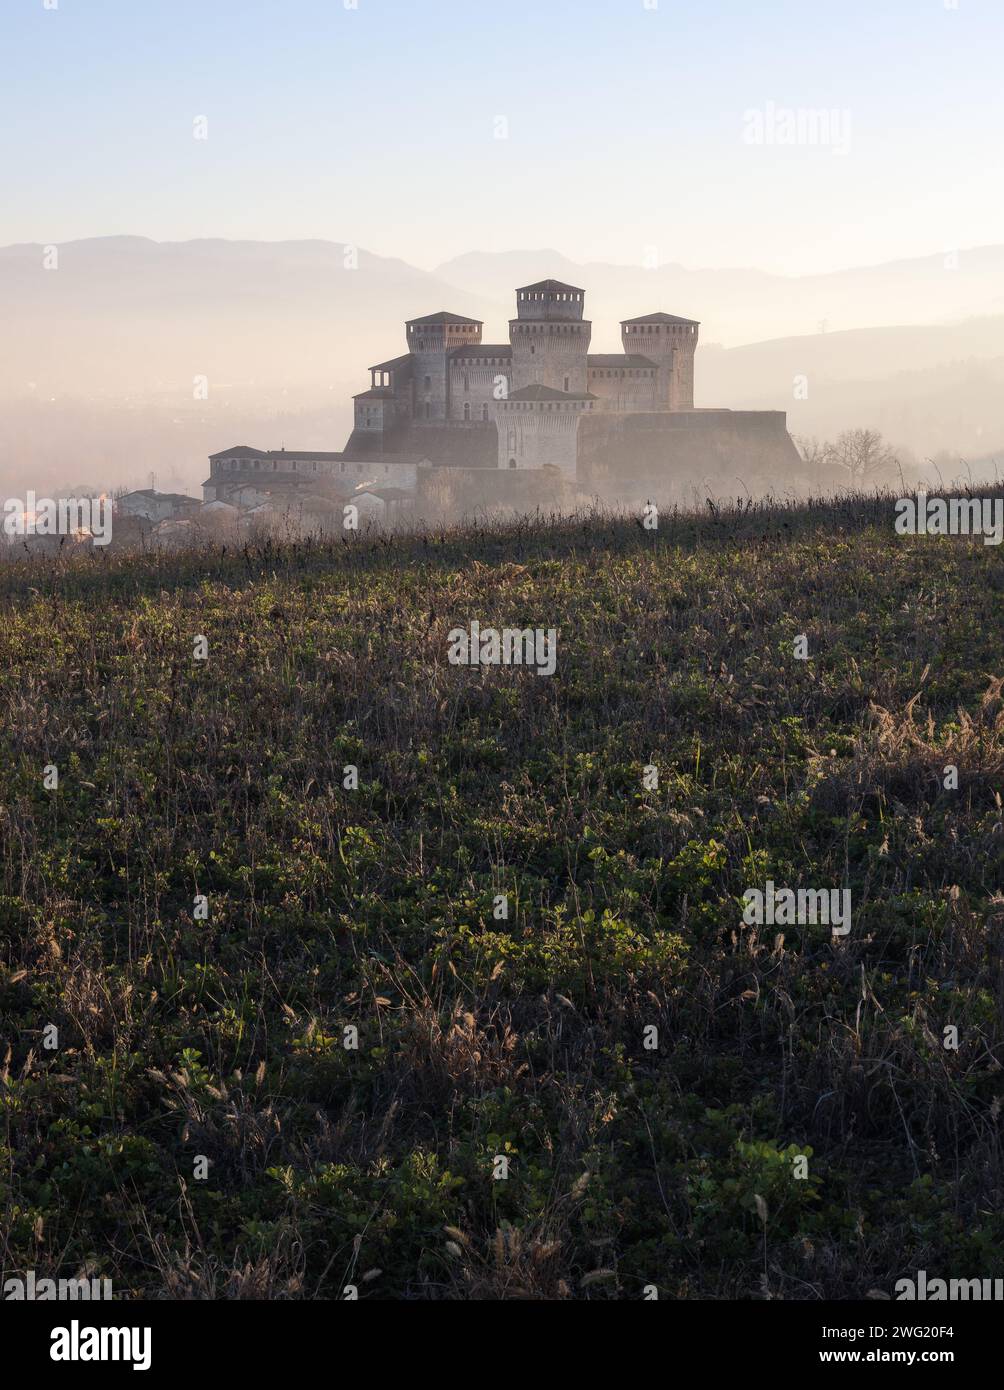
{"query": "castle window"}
pixel 467 410
pixel 512 463
pixel 428 383
pixel 484 412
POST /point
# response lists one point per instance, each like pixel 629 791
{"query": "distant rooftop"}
pixel 395 364
pixel 550 287
pixel 659 318
pixel 239 451
pixel 444 317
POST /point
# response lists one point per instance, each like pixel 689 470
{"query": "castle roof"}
pixel 548 393
pixel 441 317
pixel 375 393
pixel 619 359
pixel 549 287
pixel 482 350
pixel 239 451
pixel 395 364
pixel 659 318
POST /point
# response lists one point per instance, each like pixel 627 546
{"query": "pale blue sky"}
pixel 626 126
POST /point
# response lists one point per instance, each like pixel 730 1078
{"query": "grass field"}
pixel 635 1158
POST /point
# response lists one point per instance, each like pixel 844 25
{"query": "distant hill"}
pixel 98 358
pixel 927 387
pixel 124 315
pixel 744 305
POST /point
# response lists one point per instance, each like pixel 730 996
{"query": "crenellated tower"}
pixel 670 342
pixel 550 338
pixel 430 341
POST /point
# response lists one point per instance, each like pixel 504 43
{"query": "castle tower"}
pixel 538 428
pixel 670 342
pixel 430 341
pixel 550 338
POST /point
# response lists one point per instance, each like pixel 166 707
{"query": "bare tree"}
pixel 864 454
pixel 816 453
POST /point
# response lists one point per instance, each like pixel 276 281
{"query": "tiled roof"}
pixel 394 365
pixel 660 318
pixel 548 393
pixel 548 287
pixel 238 451
pixel 443 316
pixel 483 350
pixel 619 359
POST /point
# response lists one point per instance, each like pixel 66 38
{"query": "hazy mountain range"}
pixel 99 357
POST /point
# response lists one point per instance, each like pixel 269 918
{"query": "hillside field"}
pixel 611 1088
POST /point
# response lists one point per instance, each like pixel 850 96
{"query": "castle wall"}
pixel 474 382
pixel 550 354
pixel 447 444
pixel 540 434
pixel 624 388
pixel 454 493
pixel 630 455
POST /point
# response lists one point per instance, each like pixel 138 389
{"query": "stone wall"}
pixel 450 494
pixel 635 455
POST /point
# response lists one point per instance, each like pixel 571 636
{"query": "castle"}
pixel 540 402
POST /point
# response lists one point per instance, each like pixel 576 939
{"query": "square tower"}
pixel 550 338
pixel 670 342
pixel 430 341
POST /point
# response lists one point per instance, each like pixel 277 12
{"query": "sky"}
pixel 793 137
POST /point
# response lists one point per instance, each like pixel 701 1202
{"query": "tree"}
pixel 816 453
pixel 864 455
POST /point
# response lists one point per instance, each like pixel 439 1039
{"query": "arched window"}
pixel 467 410
pixel 484 412
pixel 512 463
